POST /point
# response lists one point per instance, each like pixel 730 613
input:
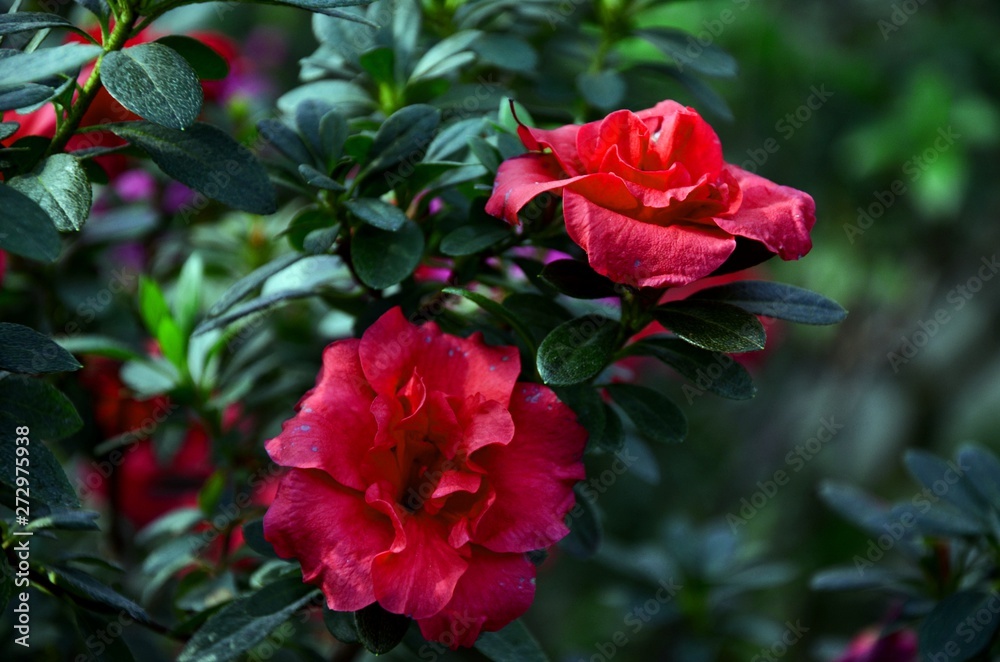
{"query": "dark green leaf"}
pixel 946 634
pixel 578 350
pixel 702 92
pixel 60 187
pixel 45 62
pixel 314 177
pixel 404 135
pixel 48 482
pixel 603 425
pixel 305 222
pixel 576 279
pixel 7 129
pixel 940 521
pixel 341 625
pixel 585 530
pixel 378 214
pixel 332 135
pixel 474 237
pixel 934 473
pixel 709 371
pixel 93 590
pixel 69 520
pixel 604 89
pixel 28 230
pixel 285 140
pixel 718 327
pixel 259 305
pixel 247 621
pixel 687 52
pixel 28 21
pixel 854 579
pixel 380 64
pixel 327 7
pixel 244 286
pixel 253 533
pixel 26 351
pixel 379 631
pixel 25 96
pixel 514 643
pixel 498 311
pixel 38 405
pixel 7 587
pixel 452 140
pixel 203 59
pixel 99 345
pixel 656 417
pixel 309 119
pixel 486 153
pixel 98 8
pixel 446 55
pixel 854 505
pixel 983 470
pixel 207 160
pixel 383 258
pixel 87 624
pixel 778 300
pixel 155 83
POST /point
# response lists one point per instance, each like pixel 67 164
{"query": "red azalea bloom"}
pixel 872 646
pixel 648 196
pixel 421 473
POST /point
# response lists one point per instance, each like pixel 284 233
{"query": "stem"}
pixel 116 41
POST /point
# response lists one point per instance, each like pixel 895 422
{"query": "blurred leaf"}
pixel 983 469
pixel 149 377
pixel 934 521
pixel 341 625
pixel 98 345
pixel 380 64
pixel 404 135
pixel 90 588
pixel 853 579
pixel 243 287
pixel 26 21
pixel 603 425
pixel 578 280
pixel 314 177
pixel 25 351
pixel 23 68
pixel 28 230
pixel 499 312
pixel 938 634
pixel 710 371
pixel 155 83
pixel 261 304
pixel 379 631
pixel 656 417
pixel 253 533
pixel 577 350
pixel 38 405
pixel 247 621
pixel 474 237
pixel 378 214
pixel 152 304
pixel 931 471
pixel 714 326
pixel 585 530
pixel 383 258
pixel 188 292
pixel 307 221
pixel 446 55
pixel 114 650
pixel 677 44
pixel 60 187
pixel 68 520
pixel 513 643
pixel 285 140
pixel 603 89
pixel 207 160
pixel 778 300
pixel 855 505
pixel 452 140
pixel 203 59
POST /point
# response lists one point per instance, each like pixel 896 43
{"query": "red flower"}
pixel 648 196
pixel 872 646
pixel 421 473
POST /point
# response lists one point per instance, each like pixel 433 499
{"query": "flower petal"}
pixel 779 217
pixel 533 475
pixel 680 135
pixel 644 254
pixel 621 129
pixel 333 533
pixel 495 590
pixel 419 579
pixel 562 142
pixel 519 180
pixel 333 428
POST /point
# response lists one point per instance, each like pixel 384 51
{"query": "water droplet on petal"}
pixel 315 449
pixel 637 263
pixel 305 428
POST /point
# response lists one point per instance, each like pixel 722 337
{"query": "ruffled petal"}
pixel 333 533
pixel 495 590
pixel 521 179
pixel 680 135
pixel 333 428
pixel 533 475
pixel 621 130
pixel 561 141
pixel 779 217
pixel 644 254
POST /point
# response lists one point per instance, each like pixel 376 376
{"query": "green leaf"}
pixel 602 423
pixel 188 292
pixel 149 377
pixel 207 160
pixel 45 62
pixel 404 135
pixel 204 60
pixel 929 470
pixel 709 371
pixel 383 258
pixel 309 120
pixel 603 89
pixel 446 55
pixel 938 634
pixel 332 136
pixel 378 214
pixel 514 643
pixel 327 7
pixel 983 470
pixel 306 221
pixel 155 83
pixel 854 505
pixel 253 533
pixel 851 579
pixel 577 350
pixel 380 64
pixel 244 286
pixel 475 237
pixel 26 401
pixel 688 53
pixel 701 91
pixel 314 177
pixel 576 279
pixel 25 96
pixel 60 187
pixel 497 311
pixel 7 129
pixel 379 631
pixel 87 624
pixel 778 300
pixel 152 304
pixel 341 625
pixel 93 590
pixel 656 417
pixel 453 139
pixel 285 140
pixel 585 530
pixel 718 327
pixel 26 351
pixel 68 520
pixel 26 21
pixel 100 346
pixel 28 230
pixel 247 621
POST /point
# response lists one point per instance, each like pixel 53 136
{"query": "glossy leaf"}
pixel 28 230
pixel 60 187
pixel 655 415
pixel 25 351
pixel 155 83
pixel 577 350
pixel 786 302
pixel 383 258
pixel 711 325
